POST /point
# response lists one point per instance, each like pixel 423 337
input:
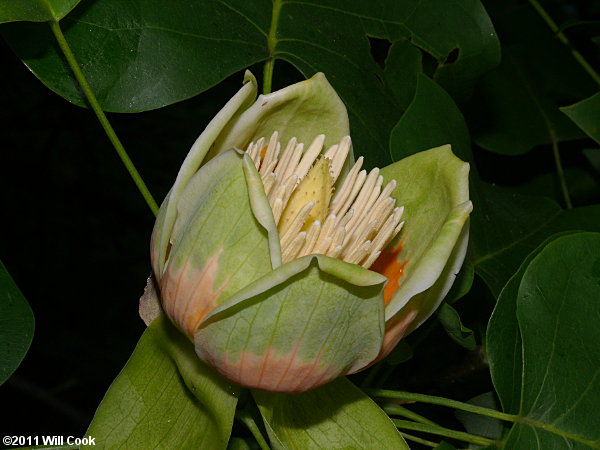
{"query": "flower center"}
pixel 355 224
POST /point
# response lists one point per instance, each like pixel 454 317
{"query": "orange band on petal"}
pixel 390 267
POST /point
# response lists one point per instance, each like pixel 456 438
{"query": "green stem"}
pixel 268 75
pixel 397 410
pixel 410 396
pixel 419 440
pixel 441 431
pixel 563 38
pixel 93 102
pixel 246 418
pixel 271 44
pixel 560 171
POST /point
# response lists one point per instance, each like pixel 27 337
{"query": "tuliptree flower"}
pixel 288 264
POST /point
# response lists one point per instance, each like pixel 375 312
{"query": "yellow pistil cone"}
pixel 315 187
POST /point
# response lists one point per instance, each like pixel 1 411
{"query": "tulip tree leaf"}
pixel 432 119
pixel 402 67
pixel 506 227
pixel 337 415
pixel 557 311
pixel 35 10
pixel 303 324
pixel 515 106
pixel 16 325
pixel 503 338
pixel 165 397
pixel 524 116
pixel 138 59
pixel 586 115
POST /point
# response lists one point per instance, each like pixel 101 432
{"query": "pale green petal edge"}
pixel 431 264
pixel 166 220
pixel 262 209
pixel 302 110
pixel 429 300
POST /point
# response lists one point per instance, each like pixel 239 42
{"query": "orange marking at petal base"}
pixel 263 152
pixel 268 372
pixel 388 265
pixel 189 293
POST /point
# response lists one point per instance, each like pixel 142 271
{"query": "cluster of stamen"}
pixel 355 225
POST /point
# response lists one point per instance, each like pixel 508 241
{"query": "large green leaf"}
pixel 337 415
pixel 35 10
pixel 586 114
pixel 165 397
pixel 143 58
pixel 514 113
pixel 432 119
pixel 557 311
pixel 506 227
pixel 516 105
pixel 16 325
pixel 503 338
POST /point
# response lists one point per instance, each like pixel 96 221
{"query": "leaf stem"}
pixel 411 396
pixel 246 418
pixel 93 102
pixel 559 170
pixel 419 440
pixel 441 431
pixel 271 44
pixel 563 38
pixel 397 410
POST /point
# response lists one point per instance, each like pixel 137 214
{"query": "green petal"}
pixel 433 186
pixel 302 110
pixel 165 397
pixel 168 214
pixel 302 325
pixel 262 209
pixel 219 247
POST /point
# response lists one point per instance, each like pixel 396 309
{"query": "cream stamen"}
pixel 355 226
